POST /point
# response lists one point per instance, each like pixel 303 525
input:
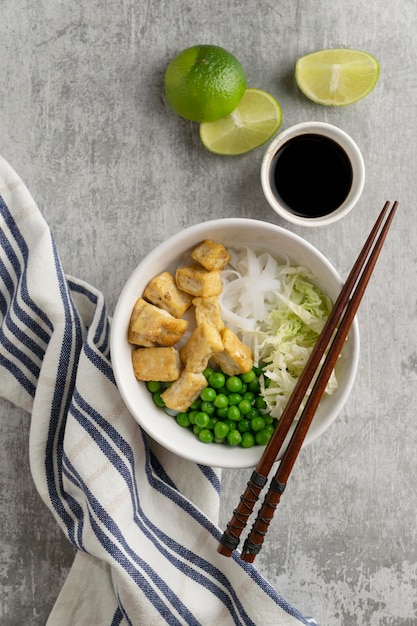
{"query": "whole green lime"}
pixel 204 83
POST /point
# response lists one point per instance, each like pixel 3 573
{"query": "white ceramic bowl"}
pixel 230 231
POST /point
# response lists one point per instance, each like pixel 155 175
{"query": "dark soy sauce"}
pixel 311 175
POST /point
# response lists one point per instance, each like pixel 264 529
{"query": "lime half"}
pixel 256 119
pixel 336 77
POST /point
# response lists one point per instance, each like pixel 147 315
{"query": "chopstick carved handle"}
pixel 231 536
pixel 253 542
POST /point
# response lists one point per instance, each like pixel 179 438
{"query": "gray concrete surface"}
pixel 84 123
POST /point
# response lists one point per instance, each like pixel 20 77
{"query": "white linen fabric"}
pixel 143 520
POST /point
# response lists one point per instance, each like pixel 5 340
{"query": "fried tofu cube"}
pixel 204 342
pixel 160 363
pixel 236 358
pixel 163 292
pixel 182 393
pixel 198 281
pixel 150 325
pixel 138 339
pixel 208 310
pixel 211 255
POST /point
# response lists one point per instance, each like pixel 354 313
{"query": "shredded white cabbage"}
pixel 279 312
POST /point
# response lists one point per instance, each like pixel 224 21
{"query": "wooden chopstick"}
pixel 256 536
pixel 230 538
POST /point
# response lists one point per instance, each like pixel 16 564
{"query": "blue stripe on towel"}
pixel 28 385
pixel 117 618
pixel 20 268
pixel 71 342
pixel 211 476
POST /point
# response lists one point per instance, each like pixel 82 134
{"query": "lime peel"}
pixel 338 76
pixel 204 83
pixel 255 120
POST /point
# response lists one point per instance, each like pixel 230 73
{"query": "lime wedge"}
pixel 336 77
pixel 256 119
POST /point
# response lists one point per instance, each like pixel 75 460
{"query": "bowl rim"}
pixel 247 457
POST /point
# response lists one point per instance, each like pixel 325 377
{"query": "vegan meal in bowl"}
pixel 211 332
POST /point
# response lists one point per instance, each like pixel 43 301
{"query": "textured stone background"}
pixel 84 123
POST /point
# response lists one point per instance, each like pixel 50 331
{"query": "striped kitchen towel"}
pixel 143 520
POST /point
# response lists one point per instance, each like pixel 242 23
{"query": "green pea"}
pixel 208 372
pixel 243 425
pixel 222 413
pixel 233 413
pixel 248 440
pixel 224 390
pixel 253 413
pixel 260 403
pixel 248 377
pixel 202 419
pixel 191 416
pixel 208 407
pixel 197 430
pixel 257 423
pixel 217 380
pixel 212 422
pixel 153 386
pixel 244 407
pixel 196 404
pixel 221 430
pixel 234 398
pixel 205 435
pixel 254 386
pixel 249 395
pixel 234 384
pixel 158 401
pixel 208 394
pixel 262 437
pixel 221 401
pixel 234 438
pixel 183 420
